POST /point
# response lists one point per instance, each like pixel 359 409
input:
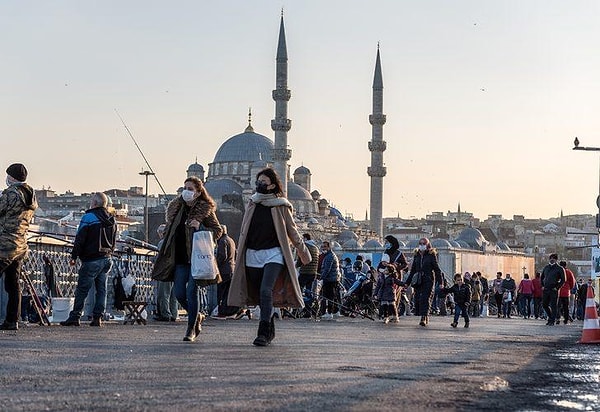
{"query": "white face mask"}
pixel 422 248
pixel 188 195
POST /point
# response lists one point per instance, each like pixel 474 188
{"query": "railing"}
pixel 124 263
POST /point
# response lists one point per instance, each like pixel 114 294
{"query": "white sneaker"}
pixel 327 316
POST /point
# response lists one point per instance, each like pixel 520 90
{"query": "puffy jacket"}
pixel 96 235
pixel 310 269
pixel 17 205
pixel 330 268
pixel 384 290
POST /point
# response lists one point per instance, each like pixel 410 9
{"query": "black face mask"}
pixel 261 187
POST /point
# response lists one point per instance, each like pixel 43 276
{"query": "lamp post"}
pixel 591 149
pixel 146 173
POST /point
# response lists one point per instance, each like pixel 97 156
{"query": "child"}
pixel 385 292
pixel 462 298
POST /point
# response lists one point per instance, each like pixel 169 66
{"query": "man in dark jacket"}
pixel 226 262
pixel 94 244
pixel 330 275
pixel 553 276
pixel 509 287
pixel 17 204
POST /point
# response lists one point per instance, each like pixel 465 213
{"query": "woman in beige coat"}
pixel 264 273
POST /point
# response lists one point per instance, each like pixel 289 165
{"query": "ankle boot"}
pixel 70 322
pixel 9 326
pixel 422 323
pixel 198 324
pixel 264 328
pixel 190 334
pixel 96 321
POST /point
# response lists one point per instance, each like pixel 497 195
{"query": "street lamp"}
pixel 146 173
pixel 591 149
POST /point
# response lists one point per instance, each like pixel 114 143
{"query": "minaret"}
pixel 281 124
pixel 377 146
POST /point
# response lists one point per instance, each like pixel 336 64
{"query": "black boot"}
pixel 9 326
pixel 96 321
pixel 190 334
pixel 264 331
pixel 422 323
pixel 71 321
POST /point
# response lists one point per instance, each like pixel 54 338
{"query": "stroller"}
pixel 359 298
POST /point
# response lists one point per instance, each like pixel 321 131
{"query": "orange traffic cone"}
pixel 591 326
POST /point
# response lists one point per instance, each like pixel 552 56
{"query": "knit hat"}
pixel 17 171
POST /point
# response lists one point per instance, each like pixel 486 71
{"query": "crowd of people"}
pixel 274 266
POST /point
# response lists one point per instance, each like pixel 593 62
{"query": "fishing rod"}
pixel 142 153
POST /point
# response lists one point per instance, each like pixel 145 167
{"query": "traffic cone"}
pixel 591 326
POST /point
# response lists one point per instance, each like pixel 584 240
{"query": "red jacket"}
pixel 565 289
pixel 537 288
pixel 526 287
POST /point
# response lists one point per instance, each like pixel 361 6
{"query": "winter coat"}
pixel 462 294
pixel 553 276
pixel 330 268
pixel 17 205
pixel 96 235
pixel 526 287
pixel 397 259
pixel 476 291
pixel 565 289
pixel 225 256
pixel 427 264
pixel 537 287
pixel 384 289
pixel 286 292
pixel 310 269
pixel 509 285
pixel 200 210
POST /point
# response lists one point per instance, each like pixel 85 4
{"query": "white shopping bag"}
pixel 485 311
pixel 204 264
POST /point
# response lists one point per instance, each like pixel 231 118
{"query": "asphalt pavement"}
pixel 342 365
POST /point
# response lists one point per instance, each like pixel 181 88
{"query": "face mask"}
pixel 422 248
pixel 387 245
pixel 188 195
pixel 261 187
pixel 553 262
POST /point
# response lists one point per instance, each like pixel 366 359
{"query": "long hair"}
pixel 274 177
pixel 200 189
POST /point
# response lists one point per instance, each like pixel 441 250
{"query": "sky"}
pixel 483 99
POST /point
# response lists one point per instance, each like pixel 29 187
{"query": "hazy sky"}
pixel 483 98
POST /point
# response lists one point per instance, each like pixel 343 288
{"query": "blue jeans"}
pixel 461 309
pixel 186 292
pixel 92 273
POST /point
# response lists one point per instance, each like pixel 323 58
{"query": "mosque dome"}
pixel 218 187
pixel 473 237
pixel 335 245
pixel 351 244
pixel 372 244
pixel 245 147
pixel 454 243
pixel 195 169
pixel 347 235
pixel 297 192
pixel 302 171
pixel 441 244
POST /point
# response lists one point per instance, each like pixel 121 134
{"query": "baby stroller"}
pixel 359 298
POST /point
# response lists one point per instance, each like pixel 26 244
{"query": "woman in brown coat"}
pixel 192 208
pixel 264 273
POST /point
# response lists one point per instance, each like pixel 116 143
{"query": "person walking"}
pixel 185 214
pixel 525 295
pixel 508 289
pixel 498 293
pixel 424 266
pixel 226 252
pixel 553 277
pixel 94 243
pixel 537 295
pixel 564 293
pixel 17 205
pixel 385 292
pixel 264 271
pixel 330 275
pixel 166 301
pixel 462 298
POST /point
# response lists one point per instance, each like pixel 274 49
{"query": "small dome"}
pixel 372 244
pixel 315 194
pixel 440 244
pixel 216 188
pixel 347 235
pixel 195 168
pixel 335 245
pixel 473 237
pixel 463 245
pixel 297 192
pixel 454 243
pixel 302 171
pixel 351 244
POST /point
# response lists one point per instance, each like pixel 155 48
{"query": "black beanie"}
pixel 17 171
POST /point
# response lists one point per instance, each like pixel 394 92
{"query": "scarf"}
pixel 270 200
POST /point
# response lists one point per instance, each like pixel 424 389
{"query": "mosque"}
pixel 231 175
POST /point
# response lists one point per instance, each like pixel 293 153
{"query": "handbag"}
pixel 417 279
pixel 203 261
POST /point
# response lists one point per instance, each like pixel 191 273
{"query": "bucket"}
pixel 61 307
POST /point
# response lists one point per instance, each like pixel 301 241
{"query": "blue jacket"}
pixel 330 268
pixel 96 235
